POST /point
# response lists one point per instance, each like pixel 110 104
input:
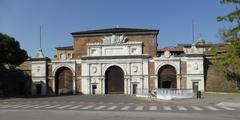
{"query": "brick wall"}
pixel 78 81
pixel 183 67
pixel 149 44
pixel 26 65
pixel 183 83
pixel 80 45
pixel 152 76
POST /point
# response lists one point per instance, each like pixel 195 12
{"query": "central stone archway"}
pixel 167 77
pixel 114 80
pixel 63 81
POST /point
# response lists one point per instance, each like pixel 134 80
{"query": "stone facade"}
pixel 64 53
pixel 117 60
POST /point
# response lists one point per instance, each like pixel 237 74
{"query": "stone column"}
pixel 74 85
pixel 178 81
pixel 53 85
pixel 125 85
pixel 101 84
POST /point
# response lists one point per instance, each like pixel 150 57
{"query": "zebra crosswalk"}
pixel 112 107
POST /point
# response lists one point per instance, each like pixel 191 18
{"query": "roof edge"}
pixel 115 31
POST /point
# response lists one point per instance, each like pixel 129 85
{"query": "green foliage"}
pixel 232 91
pixel 229 91
pixel 10 50
pixel 232 36
pixel 229 1
pixel 230 61
pixel 233 17
pixel 12 81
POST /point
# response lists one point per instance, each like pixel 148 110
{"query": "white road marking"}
pixel 26 106
pixel 31 106
pixel 19 106
pixel 139 108
pixel 8 106
pixel 211 108
pixel 227 108
pixel 167 108
pixel 112 107
pixel 52 106
pixel 4 106
pixel 100 107
pixel 100 102
pixel 196 108
pixel 152 107
pixel 181 108
pixel 87 107
pixel 125 108
pixel 75 107
pixel 65 106
pixel 41 106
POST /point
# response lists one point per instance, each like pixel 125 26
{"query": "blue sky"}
pixel 21 19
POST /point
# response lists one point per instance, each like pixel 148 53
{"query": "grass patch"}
pixel 232 91
pixel 229 91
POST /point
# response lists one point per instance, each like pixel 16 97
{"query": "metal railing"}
pixel 166 94
pixel 143 92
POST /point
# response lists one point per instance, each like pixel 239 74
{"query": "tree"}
pixel 222 34
pixel 231 60
pixel 233 17
pixel 10 50
pixel 12 81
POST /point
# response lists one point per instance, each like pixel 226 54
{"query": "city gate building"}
pixel 118 61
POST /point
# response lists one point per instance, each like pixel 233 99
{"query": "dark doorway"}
pixel 114 80
pixel 63 81
pixel 195 86
pixel 94 88
pixel 166 84
pixel 38 89
pixel 167 77
pixel 134 89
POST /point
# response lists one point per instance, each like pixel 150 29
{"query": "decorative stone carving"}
pixel 39 54
pixel 195 66
pixel 63 57
pixel 38 68
pixel 114 39
pixel 167 54
pixel 94 69
pixel 135 68
pixel 134 50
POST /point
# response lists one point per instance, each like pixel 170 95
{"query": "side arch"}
pixel 63 81
pixel 63 65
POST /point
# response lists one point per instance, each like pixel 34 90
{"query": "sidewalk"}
pixel 212 99
pixel 232 100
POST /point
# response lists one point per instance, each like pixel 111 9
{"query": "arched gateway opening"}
pixel 114 80
pixel 63 81
pixel 167 77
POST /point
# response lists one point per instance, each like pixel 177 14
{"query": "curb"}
pixel 229 104
pixel 222 93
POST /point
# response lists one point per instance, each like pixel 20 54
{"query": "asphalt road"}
pixel 117 107
pixel 112 115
